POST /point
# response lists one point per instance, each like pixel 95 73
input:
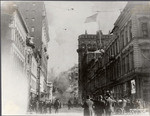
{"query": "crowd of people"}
pixel 103 105
pixel 106 105
pixel 44 107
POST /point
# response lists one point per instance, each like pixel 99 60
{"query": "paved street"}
pixel 65 112
pixel 79 112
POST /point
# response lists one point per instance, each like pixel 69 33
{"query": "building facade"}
pixel 25 40
pixel 14 55
pixel 124 66
pixel 35 16
pixel 89 44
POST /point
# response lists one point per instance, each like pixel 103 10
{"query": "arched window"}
pixel 94 46
pixel 83 46
pixel 89 46
pixel 144 25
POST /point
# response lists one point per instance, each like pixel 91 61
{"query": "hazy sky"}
pixel 65 25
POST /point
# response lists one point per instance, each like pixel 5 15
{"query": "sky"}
pixel 66 22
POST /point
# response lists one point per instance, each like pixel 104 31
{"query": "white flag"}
pixel 92 18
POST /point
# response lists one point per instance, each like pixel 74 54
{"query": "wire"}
pixel 63 8
pixel 145 57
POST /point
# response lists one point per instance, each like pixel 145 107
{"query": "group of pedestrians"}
pixel 44 107
pixel 98 107
pixel 106 105
pixel 124 105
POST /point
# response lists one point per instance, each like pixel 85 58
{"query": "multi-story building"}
pixel 25 36
pixel 34 14
pixel 14 51
pixel 14 37
pixel 89 44
pixel 125 65
pixel 130 48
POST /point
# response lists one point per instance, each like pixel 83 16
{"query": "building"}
pixel 14 52
pixel 89 44
pixel 130 48
pixel 34 14
pixel 25 40
pixel 124 66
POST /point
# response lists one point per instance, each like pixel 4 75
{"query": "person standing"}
pixel 90 104
pixel 86 109
pixel 124 104
pixel 49 106
pixel 56 105
pixel 109 105
pixel 69 104
pixel 99 106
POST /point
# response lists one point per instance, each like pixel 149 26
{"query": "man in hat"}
pixel 99 106
pixel 109 104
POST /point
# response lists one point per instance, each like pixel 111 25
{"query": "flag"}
pixel 91 18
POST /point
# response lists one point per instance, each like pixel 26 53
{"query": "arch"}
pixel 89 46
pixel 83 46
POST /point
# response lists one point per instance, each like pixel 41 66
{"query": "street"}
pixel 79 112
pixel 65 112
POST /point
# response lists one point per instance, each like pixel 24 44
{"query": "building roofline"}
pixel 46 20
pixel 22 20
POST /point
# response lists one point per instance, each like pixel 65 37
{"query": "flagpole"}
pixel 98 21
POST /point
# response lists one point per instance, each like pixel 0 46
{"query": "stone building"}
pixel 25 40
pixel 35 16
pixel 14 51
pixel 89 44
pixel 124 65
pixel 131 50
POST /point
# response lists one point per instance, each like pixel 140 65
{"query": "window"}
pixel 145 29
pixel 33 4
pixel 89 46
pixel 127 63
pixel 33 19
pixel 28 59
pixel 130 30
pixel 118 46
pixel 83 46
pixel 94 46
pixel 122 41
pixel 32 29
pixel 126 36
pixel 123 66
pixel 131 60
pixel 33 12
